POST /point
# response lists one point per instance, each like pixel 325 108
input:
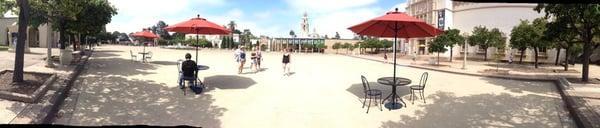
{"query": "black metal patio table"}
pixel 399 82
pixel 144 56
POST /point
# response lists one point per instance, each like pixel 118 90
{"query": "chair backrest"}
pixel 423 81
pixel 365 83
pixel 150 53
pixel 131 52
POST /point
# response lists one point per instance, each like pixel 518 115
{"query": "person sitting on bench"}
pixel 190 71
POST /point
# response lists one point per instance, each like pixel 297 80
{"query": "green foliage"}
pixel 584 19
pixel 486 38
pixel 337 35
pixel 292 33
pixel 263 47
pixel 7 5
pixel 159 29
pixel 521 35
pixel 437 45
pixel 336 46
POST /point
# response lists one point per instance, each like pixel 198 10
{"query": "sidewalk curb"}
pixel 560 85
pixel 64 92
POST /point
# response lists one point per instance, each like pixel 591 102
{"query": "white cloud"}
pixel 134 15
pixel 340 21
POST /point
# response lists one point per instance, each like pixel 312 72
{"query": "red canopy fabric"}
pixel 145 33
pixel 198 26
pixel 393 23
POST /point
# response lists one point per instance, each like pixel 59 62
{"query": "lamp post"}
pixel 465 53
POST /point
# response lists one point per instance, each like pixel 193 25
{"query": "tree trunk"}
pixel 20 48
pixel 587 52
pixel 451 53
pixel 567 58
pixel 61 32
pixel 535 49
pixel 521 58
pixel 485 54
pixel 557 55
pixel 438 58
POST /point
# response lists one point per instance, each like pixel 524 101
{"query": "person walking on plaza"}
pixel 286 62
pixel 253 62
pixel 240 57
pixel 385 58
pixel 258 59
pixel 414 57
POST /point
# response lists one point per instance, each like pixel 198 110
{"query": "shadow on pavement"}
pixel 357 90
pixel 120 66
pixel 483 110
pixel 227 82
pixel 164 62
pixel 117 100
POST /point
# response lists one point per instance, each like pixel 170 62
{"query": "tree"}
pixel 452 37
pixel 6 5
pixel 486 38
pixel 386 44
pixel 564 36
pixel 337 35
pixel 346 46
pixel 539 26
pixel 292 34
pixel 321 46
pixel 91 20
pixel 520 37
pixel 336 46
pixel 585 20
pixel 20 49
pixel 57 12
pixel 159 29
pixel 437 45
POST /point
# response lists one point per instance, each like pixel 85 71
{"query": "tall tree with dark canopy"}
pixel 20 49
pixel 564 36
pixel 520 37
pixel 585 20
pixel 486 38
pixel 450 38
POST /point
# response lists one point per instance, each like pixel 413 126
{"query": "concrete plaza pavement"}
pixel 324 91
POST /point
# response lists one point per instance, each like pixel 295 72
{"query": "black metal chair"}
pixel 370 93
pixel 420 88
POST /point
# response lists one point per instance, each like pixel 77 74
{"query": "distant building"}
pixel 36 37
pixel 464 16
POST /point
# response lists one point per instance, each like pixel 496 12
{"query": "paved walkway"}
pixel 324 91
pixel 586 96
pixel 18 112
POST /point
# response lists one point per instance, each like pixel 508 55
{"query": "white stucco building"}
pixel 36 37
pixel 465 16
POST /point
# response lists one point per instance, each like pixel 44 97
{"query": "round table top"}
pixel 203 67
pixel 389 80
pixel 143 53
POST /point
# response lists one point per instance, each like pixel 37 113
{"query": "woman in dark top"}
pixel 286 62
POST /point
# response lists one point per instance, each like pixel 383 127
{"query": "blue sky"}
pixel 274 18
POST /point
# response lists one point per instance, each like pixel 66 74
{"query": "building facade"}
pixel 36 37
pixel 464 16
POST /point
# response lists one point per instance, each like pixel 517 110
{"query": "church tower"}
pixel 304 26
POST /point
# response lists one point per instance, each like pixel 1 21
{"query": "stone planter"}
pixel 31 98
pixel 66 56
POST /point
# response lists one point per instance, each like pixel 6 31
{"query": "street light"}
pixel 465 52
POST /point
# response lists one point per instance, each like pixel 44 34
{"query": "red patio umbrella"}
pixel 145 34
pixel 198 26
pixel 395 24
